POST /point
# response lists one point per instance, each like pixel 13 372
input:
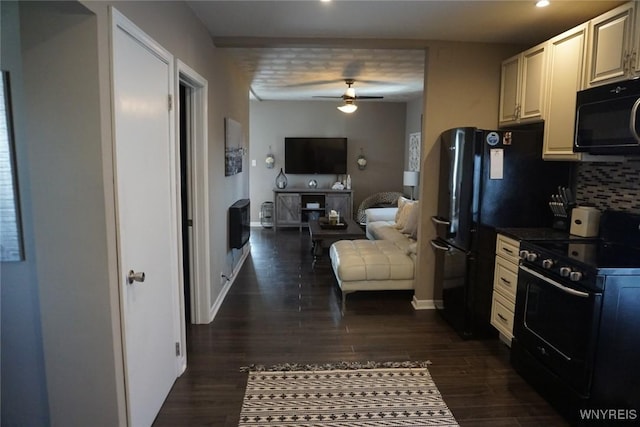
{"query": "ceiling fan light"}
pixel 348 108
pixel 350 93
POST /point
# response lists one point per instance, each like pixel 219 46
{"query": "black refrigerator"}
pixel 488 179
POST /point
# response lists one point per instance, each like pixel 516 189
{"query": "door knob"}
pixel 135 277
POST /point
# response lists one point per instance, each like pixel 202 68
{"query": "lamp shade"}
pixel 410 178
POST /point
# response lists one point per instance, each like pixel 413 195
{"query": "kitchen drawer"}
pixel 502 315
pixel 505 279
pixel 508 248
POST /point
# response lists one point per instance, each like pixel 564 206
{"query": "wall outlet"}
pixel 224 278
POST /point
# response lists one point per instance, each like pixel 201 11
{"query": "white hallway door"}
pixel 147 217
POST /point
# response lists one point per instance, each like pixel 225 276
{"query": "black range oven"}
pixel 577 319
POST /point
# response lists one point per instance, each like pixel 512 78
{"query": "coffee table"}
pixel 323 237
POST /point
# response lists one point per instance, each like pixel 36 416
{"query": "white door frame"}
pixel 201 273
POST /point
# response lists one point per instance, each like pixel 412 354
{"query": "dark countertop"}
pixel 535 233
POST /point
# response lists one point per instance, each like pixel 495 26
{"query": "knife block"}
pixel 561 220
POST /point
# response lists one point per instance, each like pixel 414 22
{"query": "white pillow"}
pixel 408 207
pixel 411 224
pixel 402 201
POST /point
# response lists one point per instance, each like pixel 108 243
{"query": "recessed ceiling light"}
pixel 542 3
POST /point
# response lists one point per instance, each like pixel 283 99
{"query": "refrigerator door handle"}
pixel 440 221
pixel 440 247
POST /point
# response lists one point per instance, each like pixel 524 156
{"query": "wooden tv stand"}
pixel 295 206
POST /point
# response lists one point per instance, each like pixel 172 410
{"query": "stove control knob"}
pixel 565 271
pixel 532 256
pixel 524 254
pixel 575 276
pixel 547 263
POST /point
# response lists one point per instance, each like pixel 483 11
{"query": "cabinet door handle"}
pixel 509 251
pixel 626 63
pixel 508 282
pixel 504 319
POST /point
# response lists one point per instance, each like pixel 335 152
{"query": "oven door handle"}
pixel 632 122
pixel 556 284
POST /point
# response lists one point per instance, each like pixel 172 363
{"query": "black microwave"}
pixel 608 119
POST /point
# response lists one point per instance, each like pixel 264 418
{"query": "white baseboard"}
pixel 423 304
pixel 218 303
pixel 225 289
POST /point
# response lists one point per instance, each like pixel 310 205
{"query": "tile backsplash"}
pixel 614 186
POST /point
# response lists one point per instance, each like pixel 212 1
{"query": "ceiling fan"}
pixel 349 98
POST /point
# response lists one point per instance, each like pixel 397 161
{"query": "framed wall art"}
pixel 414 151
pixel 233 147
pixel 11 247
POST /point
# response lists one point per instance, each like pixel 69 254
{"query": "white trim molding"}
pixel 423 304
pixel 201 284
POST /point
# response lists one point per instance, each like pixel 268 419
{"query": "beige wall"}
pixel 377 127
pixel 462 82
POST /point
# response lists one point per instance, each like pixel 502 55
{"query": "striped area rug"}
pixel 343 395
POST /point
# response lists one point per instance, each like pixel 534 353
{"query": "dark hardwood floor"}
pixel 280 310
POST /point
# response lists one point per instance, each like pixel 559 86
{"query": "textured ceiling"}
pixel 302 73
pixel 294 50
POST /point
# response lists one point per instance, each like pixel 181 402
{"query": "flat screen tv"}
pixel 315 155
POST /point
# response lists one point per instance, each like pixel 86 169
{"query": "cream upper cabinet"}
pixel 566 55
pixel 509 89
pixel 522 87
pixel 635 42
pixel 610 53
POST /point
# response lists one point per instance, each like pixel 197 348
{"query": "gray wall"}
pixel 61 345
pixel 377 127
pixel 24 394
